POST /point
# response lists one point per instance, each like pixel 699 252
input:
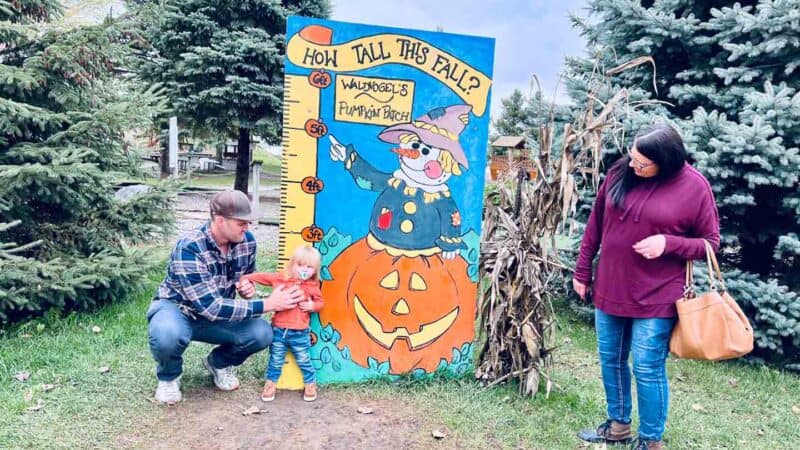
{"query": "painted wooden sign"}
pixel 385 138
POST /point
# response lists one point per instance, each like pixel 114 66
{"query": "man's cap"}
pixel 233 205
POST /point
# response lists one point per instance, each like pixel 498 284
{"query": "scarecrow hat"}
pixel 439 128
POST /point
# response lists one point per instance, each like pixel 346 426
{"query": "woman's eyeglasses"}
pixel 637 164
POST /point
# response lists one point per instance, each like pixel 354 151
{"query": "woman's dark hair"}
pixel 661 144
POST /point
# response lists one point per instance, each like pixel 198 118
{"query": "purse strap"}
pixel 715 280
pixel 713 263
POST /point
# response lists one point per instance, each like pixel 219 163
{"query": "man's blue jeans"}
pixel 298 342
pixel 171 331
pixel 649 340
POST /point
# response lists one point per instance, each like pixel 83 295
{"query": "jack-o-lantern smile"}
pixel 427 333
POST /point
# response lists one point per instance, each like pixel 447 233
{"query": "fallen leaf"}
pixel 105 369
pixel 48 387
pixel 39 405
pixel 96 329
pixel 733 382
pixel 29 395
pixel 697 407
pixel 252 410
pixel 22 376
pixel 364 410
pixel 439 433
pixel 796 409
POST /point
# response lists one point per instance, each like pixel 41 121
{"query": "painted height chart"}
pixel 385 137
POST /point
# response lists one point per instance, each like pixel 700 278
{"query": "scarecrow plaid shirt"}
pixel 202 280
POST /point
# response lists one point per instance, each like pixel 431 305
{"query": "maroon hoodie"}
pixel 681 208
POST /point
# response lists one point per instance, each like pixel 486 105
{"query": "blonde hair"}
pixel 449 164
pixel 308 255
pixel 408 138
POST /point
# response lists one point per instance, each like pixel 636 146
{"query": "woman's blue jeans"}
pixel 649 340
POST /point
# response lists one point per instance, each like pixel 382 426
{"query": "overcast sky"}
pixel 531 36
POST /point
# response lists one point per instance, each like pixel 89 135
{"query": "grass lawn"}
pixel 731 405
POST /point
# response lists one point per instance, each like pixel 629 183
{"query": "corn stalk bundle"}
pixel 520 264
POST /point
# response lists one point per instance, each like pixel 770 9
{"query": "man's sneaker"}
pixel 310 392
pixel 169 392
pixel 224 379
pixel 611 432
pixel 268 394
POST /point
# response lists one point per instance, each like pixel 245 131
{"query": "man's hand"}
pixel 307 306
pixel 283 298
pixel 651 247
pixel 246 289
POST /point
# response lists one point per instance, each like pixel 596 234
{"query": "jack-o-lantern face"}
pixel 409 311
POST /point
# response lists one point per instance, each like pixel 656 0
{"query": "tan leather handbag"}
pixel 710 326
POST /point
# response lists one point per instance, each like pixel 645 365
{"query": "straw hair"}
pixel 408 138
pixel 449 164
pixel 308 255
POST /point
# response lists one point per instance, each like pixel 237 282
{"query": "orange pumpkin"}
pixel 410 311
pixel 311 185
pixel 312 233
pixel 315 128
pixel 319 79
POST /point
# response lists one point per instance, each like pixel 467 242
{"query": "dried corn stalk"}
pixel 519 260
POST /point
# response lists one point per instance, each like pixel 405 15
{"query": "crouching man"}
pixel 197 299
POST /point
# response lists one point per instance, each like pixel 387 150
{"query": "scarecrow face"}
pixel 422 163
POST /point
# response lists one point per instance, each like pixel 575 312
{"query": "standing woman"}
pixel 651 215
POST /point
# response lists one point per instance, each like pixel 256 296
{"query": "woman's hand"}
pixel 651 247
pixel 580 288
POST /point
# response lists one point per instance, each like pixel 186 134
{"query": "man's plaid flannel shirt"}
pixel 202 280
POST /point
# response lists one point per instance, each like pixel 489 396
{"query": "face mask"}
pixel 304 274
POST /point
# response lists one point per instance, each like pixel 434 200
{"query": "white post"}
pixel 256 199
pixel 173 146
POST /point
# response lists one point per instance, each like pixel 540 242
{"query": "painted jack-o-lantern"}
pixel 410 311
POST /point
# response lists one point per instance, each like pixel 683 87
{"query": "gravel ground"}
pixel 191 212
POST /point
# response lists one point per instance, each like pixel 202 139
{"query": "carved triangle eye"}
pixel 417 283
pixel 391 281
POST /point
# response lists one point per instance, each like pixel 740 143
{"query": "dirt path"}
pixel 211 419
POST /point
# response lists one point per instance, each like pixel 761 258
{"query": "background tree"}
pixel 729 75
pixel 64 236
pixel 222 64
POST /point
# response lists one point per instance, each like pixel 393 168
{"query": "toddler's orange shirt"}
pixel 294 318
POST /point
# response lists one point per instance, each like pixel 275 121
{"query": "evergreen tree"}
pixel 65 239
pixel 222 64
pixel 729 75
pixel 522 116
